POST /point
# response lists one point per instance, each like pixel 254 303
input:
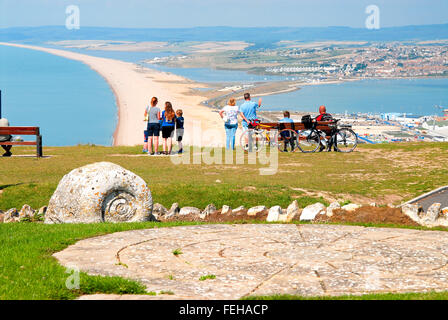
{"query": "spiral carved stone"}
pixel 100 192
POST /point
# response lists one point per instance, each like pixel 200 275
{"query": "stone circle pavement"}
pixel 265 259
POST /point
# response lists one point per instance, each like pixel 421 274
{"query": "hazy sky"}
pixel 241 13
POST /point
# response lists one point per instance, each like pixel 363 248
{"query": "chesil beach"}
pixel 133 87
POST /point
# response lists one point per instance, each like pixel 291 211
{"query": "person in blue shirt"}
pixel 286 117
pixel 248 110
pixel 286 135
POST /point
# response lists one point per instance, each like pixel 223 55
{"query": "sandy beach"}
pixel 134 86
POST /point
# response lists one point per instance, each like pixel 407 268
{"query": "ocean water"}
pixel 411 96
pixel 71 103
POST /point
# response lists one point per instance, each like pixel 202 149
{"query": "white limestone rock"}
pixel 187 211
pixel 351 207
pixel 256 210
pixel 207 211
pixel 412 211
pixel 100 192
pixel 226 209
pixel 432 214
pixel 310 212
pixel 239 209
pixel 274 214
pixel 26 212
pixel 292 212
pixel 333 206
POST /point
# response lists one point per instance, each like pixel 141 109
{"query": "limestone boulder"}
pixel 333 206
pixel 211 208
pixel 159 211
pixel 26 212
pixel 432 213
pixel 187 211
pixel 12 215
pixel 274 214
pixel 226 209
pixel 351 207
pixel 292 212
pixel 254 211
pixel 239 209
pixel 310 212
pixel 412 211
pixel 100 192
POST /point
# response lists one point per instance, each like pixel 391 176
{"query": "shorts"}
pixel 153 129
pixel 167 132
pixel 145 133
pixel 245 125
pixel 179 134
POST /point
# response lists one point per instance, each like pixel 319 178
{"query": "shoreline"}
pixel 133 87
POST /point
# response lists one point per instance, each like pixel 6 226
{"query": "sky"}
pixel 236 13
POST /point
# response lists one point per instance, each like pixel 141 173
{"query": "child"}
pixel 168 126
pixel 179 129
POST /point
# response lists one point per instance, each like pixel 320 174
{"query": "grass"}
pixel 207 277
pixel 28 270
pixel 390 169
pixel 177 252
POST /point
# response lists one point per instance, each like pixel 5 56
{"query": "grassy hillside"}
pixel 380 173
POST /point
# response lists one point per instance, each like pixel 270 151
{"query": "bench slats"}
pixel 19 130
pixel 19 143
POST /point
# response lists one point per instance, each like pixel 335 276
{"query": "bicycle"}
pixel 342 138
pixel 286 140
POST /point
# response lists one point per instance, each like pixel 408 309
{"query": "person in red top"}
pixel 323 116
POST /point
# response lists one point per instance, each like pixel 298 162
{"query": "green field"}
pixel 378 173
pixel 381 173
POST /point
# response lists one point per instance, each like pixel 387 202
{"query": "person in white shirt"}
pixel 230 116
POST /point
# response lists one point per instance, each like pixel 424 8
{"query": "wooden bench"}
pixel 24 131
pixel 321 125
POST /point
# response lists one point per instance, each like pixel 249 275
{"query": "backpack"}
pixel 307 121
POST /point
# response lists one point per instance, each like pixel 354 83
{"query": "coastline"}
pixel 133 87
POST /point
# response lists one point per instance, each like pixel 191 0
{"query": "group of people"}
pixel 168 122
pixel 248 112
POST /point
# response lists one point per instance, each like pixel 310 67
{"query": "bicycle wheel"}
pixel 287 140
pixel 255 137
pixel 308 141
pixel 345 140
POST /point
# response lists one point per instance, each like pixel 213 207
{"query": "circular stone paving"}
pixel 307 260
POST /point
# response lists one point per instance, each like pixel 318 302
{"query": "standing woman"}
pixel 230 116
pixel 153 114
pixel 168 122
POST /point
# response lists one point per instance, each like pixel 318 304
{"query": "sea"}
pixel 74 105
pixel 71 103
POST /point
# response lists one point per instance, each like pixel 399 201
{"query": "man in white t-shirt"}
pixel 230 116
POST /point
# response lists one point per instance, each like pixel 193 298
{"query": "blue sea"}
pixel 411 96
pixel 71 103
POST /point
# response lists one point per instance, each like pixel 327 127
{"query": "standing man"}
pixel 248 110
pixel 3 138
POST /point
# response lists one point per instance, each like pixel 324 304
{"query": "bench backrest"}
pixel 20 130
pixel 321 125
